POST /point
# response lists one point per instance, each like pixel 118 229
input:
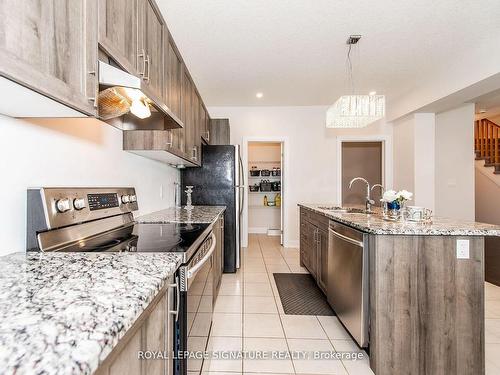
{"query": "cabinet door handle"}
pixel 208 135
pixel 96 88
pixel 143 55
pixel 147 67
pixel 178 290
pixel 171 142
pixel 194 153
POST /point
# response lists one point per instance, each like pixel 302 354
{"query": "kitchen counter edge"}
pixel 375 224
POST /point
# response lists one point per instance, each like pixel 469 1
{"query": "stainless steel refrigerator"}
pixel 220 181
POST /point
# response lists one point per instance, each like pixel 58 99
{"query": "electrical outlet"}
pixel 161 191
pixel 462 249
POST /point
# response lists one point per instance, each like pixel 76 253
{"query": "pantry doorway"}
pixel 265 171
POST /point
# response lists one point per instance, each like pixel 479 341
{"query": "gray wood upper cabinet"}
pixel 187 116
pixel 196 106
pixel 173 91
pixel 50 46
pixel 205 133
pixel 151 46
pixel 131 33
pixel 219 131
pixel 173 77
pixel 118 32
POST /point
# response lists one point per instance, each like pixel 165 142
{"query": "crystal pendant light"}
pixel 355 111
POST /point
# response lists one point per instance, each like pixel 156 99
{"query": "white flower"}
pixel 389 196
pixel 405 195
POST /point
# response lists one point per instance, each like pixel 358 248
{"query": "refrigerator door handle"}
pixel 242 174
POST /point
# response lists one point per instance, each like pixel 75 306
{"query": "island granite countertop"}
pixel 63 313
pixel 375 224
pixel 198 215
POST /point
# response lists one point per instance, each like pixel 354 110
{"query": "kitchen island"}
pixel 425 301
pixel 64 313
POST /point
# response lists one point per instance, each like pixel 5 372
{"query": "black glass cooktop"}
pixel 172 237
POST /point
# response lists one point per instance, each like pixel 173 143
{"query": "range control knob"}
pixel 133 198
pixel 125 199
pixel 79 203
pixel 63 205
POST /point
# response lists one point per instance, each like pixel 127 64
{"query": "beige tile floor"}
pixel 249 316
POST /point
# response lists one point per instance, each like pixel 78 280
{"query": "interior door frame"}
pixel 387 159
pixel 284 210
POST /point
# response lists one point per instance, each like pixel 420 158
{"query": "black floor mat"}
pixel 300 295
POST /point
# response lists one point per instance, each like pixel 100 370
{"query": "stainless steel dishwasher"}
pixel 347 289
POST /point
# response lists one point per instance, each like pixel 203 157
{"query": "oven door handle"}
pixel 178 302
pixel 192 271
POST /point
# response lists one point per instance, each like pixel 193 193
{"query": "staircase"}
pixel 487 143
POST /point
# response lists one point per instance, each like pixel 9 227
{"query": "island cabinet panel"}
pixel 118 32
pixel 50 47
pixel 426 306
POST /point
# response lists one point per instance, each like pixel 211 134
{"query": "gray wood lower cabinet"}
pixel 50 46
pixel 151 332
pixel 219 132
pixel 219 253
pixel 314 246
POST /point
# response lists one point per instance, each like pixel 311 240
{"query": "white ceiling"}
pixel 294 50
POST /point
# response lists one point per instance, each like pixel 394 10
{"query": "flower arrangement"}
pixel 395 200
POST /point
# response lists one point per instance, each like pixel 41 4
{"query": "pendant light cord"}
pixel 349 69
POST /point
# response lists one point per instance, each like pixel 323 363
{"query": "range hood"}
pixel 126 102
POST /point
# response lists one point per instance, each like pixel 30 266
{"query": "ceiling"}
pixel 294 51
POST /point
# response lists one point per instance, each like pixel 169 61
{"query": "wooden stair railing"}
pixel 486 143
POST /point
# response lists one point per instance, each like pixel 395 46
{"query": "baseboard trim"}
pixel 257 230
pixel 292 243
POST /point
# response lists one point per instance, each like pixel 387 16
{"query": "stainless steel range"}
pixel 102 220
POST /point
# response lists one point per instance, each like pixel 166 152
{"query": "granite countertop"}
pixel 63 313
pixel 198 215
pixel 375 224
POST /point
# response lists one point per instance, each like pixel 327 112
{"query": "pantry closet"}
pixel 265 167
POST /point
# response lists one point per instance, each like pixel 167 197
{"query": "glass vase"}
pixel 392 211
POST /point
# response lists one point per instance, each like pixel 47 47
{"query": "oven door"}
pixel 197 303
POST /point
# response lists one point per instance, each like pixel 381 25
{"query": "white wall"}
pixel 455 163
pixel 70 152
pixel 312 175
pixel 425 154
pixel 434 158
pixel 404 151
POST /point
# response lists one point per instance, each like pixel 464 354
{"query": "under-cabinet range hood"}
pixel 126 102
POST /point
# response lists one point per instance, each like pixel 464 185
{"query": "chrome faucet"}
pixel 382 188
pixel 368 201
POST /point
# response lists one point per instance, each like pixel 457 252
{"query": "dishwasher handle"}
pixel 345 238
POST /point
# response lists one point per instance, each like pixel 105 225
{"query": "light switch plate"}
pixel 462 249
